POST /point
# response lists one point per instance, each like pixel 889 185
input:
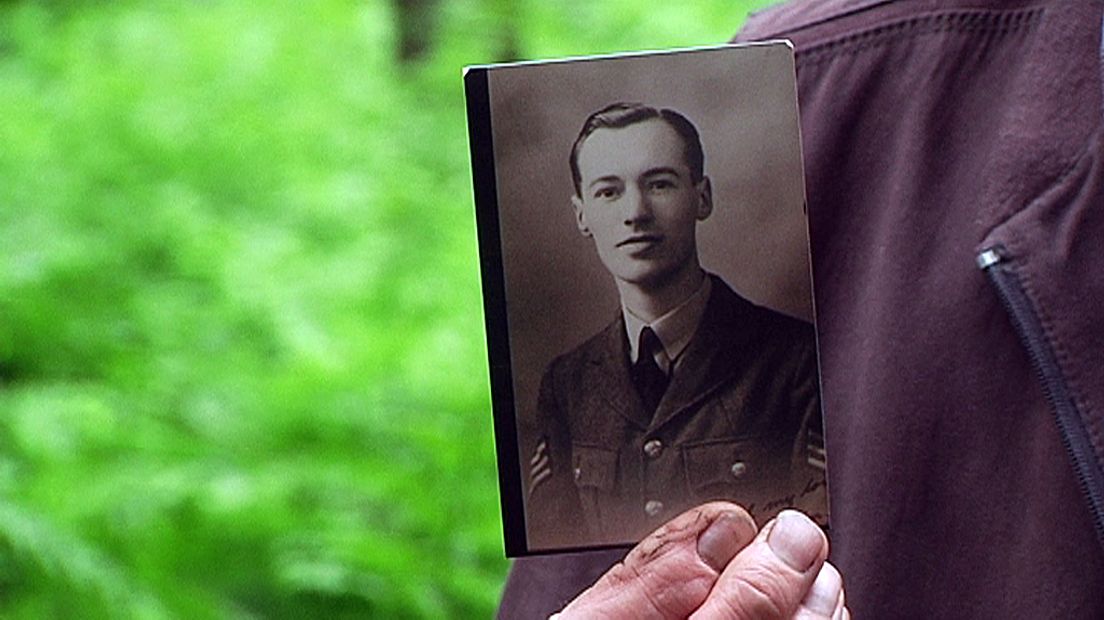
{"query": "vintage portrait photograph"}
pixel 647 291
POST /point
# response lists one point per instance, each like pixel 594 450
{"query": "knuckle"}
pixel 758 593
pixel 659 590
pixel 641 581
pixel 671 593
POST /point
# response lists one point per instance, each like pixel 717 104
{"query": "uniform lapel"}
pixel 713 355
pixel 607 375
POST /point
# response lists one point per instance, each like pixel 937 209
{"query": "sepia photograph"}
pixel 647 291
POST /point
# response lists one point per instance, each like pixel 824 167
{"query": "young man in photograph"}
pixel 692 393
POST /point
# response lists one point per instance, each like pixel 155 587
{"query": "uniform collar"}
pixel 674 329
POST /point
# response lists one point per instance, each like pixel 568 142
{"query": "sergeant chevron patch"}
pixel 540 466
pixel 814 451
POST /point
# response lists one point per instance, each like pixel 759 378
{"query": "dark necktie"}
pixel 648 377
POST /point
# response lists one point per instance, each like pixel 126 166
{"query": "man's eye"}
pixel 660 184
pixel 606 192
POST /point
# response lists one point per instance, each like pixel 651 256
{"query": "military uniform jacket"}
pixel 734 424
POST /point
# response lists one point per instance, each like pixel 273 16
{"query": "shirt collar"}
pixel 674 329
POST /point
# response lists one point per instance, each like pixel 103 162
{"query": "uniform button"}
pixel 653 507
pixel 739 468
pixel 653 448
pixel 578 473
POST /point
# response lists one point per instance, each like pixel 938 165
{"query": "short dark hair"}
pixel 622 114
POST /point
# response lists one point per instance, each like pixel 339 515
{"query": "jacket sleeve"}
pixel 553 512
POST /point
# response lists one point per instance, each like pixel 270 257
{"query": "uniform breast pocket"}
pixel 740 469
pixel 595 473
pixel 594 468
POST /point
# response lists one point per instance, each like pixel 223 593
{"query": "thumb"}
pixel 770 577
pixel 672 571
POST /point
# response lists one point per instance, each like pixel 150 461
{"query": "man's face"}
pixel 639 203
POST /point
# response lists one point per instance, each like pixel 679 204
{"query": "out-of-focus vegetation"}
pixel 242 369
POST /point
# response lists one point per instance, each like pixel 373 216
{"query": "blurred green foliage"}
pixel 242 369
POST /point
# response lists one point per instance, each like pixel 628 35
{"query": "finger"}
pixel 825 597
pixel 671 572
pixel 769 578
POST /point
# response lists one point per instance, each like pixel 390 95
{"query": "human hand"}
pixel 709 563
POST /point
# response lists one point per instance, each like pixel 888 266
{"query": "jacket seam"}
pixel 1062 357
pixel 842 13
pixel 956 21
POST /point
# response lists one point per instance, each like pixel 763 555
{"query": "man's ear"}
pixel 705 198
pixel 580 218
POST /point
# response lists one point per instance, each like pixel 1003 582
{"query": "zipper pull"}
pixel 988 258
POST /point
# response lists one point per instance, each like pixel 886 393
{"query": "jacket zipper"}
pixel 1001 273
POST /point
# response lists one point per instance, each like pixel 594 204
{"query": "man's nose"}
pixel 635 205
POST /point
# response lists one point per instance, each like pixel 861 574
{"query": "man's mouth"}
pixel 642 240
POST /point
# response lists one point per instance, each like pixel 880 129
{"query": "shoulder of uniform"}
pixel 780 328
pixel 592 349
pixel 785 323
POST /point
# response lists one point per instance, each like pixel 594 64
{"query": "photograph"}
pixel 647 291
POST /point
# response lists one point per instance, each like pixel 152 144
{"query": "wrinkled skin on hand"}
pixel 711 563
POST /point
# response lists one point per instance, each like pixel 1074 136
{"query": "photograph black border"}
pixel 493 278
